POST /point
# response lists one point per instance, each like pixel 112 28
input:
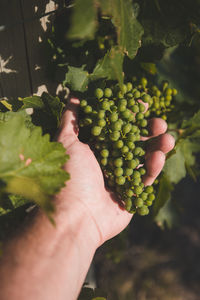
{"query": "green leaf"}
pixel 30 164
pixel 110 66
pixel 76 79
pixel 83 22
pixel 32 102
pixel 163 194
pixel 167 216
pixel 129 30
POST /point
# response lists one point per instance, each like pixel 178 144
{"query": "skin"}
pixel 46 262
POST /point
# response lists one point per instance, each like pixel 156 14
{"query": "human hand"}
pixel 86 189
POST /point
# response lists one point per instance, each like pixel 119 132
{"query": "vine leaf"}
pixel 77 79
pixel 30 165
pixel 110 66
pixel 83 21
pixel 163 195
pixel 129 30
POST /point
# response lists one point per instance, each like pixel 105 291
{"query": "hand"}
pixel 86 189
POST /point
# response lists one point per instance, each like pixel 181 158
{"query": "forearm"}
pixel 47 262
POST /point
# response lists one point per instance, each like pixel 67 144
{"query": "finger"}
pixel 154 164
pixel 156 126
pixel 164 142
pixel 69 123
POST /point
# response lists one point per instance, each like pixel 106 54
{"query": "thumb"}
pixel 68 132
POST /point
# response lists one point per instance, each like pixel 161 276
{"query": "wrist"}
pixel 73 218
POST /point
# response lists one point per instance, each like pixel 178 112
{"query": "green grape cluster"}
pixel 114 121
pixel 160 100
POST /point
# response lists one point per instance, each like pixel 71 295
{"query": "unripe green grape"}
pixel 124 149
pixel 129 193
pixel 132 164
pixel 136 181
pixel 158 93
pixel 104 161
pixel 122 101
pixel 164 117
pixel 142 171
pixel 149 189
pixel 138 202
pixel 156 105
pixel 136 174
pixel 138 190
pixel 130 145
pixel 87 109
pixel 104 153
pixel 165 85
pixel 101 123
pixel 120 180
pixel 114 136
pixel 144 132
pixel 168 92
pixel 151 197
pixel 126 114
pixel 141 107
pixel 126 128
pixel 136 94
pixel 129 96
pixel 107 93
pixel 116 126
pixel 121 107
pixel 129 86
pixel 105 105
pixel 83 103
pixel 118 172
pixel 120 95
pixel 129 156
pixel 113 108
pixel 174 92
pixel 101 114
pixel 128 172
pixel 143 123
pixel 167 103
pixel 131 102
pixel 101 136
pixel 144 196
pixel 131 137
pixel 87 121
pixel 143 82
pixel 147 114
pixel 124 89
pixel 135 108
pixel 96 130
pixel 146 98
pixel 119 144
pixel 148 202
pixel 118 162
pixel 168 98
pixel 113 117
pixel 134 129
pixel 131 118
pixel 143 211
pixel 128 204
pixel 137 151
pixel 99 93
pixel 139 116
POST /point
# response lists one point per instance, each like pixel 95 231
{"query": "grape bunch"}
pixel 161 100
pixel 113 122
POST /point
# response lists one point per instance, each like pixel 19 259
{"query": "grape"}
pixel 142 211
pixel 99 93
pixel 118 172
pixel 114 122
pixel 120 180
pixel 104 153
pixel 107 93
pixel 96 130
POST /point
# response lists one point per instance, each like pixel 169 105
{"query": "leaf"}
pixel 167 216
pixel 32 102
pixel 110 66
pixel 76 79
pixel 83 22
pixel 129 30
pixel 30 164
pixel 163 194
